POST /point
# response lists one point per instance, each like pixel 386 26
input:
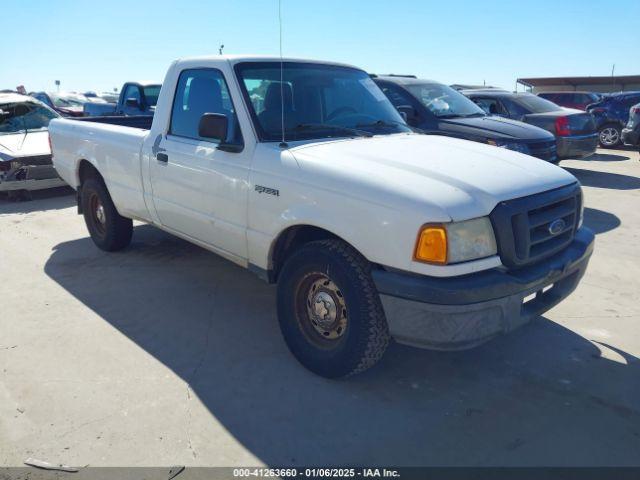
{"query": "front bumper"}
pixel 457 313
pixel 577 146
pixel 631 136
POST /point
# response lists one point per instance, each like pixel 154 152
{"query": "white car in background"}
pixel 25 153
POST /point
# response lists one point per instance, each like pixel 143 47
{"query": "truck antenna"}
pixel 283 144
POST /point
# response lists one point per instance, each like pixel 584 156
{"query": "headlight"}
pixel 456 242
pixel 515 146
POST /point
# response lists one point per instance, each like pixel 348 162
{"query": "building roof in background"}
pixel 575 81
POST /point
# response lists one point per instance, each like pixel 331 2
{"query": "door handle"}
pixel 162 157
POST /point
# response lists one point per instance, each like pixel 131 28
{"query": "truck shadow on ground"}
pixel 51 199
pixel 613 181
pixel 542 395
pixel 600 221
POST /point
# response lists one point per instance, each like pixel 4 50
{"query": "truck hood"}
pixel 441 176
pixel 18 145
pixel 495 128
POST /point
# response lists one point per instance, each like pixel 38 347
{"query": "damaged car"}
pixel 25 153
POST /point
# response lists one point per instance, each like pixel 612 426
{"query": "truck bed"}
pixel 136 121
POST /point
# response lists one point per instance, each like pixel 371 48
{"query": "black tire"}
pixel 362 341
pixel 114 231
pixel 610 135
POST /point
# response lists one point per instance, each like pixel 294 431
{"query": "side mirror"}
pixel 214 126
pixel 132 102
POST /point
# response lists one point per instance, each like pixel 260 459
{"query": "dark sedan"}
pixel 436 108
pixel 575 131
pixel 631 133
pixel 577 100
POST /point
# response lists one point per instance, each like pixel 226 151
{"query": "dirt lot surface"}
pixel 166 354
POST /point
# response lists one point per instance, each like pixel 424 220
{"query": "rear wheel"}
pixel 108 229
pixel 329 310
pixel 610 135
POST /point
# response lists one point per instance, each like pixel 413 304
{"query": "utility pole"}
pixel 613 79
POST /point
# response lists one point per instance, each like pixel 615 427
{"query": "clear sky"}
pixel 98 45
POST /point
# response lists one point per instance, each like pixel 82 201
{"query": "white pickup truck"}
pixel 304 173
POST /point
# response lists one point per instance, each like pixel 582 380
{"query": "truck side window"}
pixel 490 105
pixel 201 91
pixel 397 96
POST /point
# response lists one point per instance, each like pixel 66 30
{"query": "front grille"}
pixel 544 150
pixel 532 228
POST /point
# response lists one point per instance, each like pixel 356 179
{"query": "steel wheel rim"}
pixel 609 136
pixel 98 215
pixel 321 309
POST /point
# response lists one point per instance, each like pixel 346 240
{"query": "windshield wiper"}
pixel 337 128
pixel 387 123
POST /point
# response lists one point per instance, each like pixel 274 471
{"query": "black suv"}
pixel 611 115
pixel 436 108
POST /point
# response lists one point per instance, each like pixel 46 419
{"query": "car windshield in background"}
pixel 151 94
pixel 444 101
pixel 535 104
pixel 18 117
pixel 320 101
pixel 68 100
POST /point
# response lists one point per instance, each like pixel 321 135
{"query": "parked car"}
pixel 25 154
pixel 66 104
pixel 370 230
pixel 631 133
pixel 437 108
pixel 611 115
pixel 575 131
pixel 577 100
pixel 135 99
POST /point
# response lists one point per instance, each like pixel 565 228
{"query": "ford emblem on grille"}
pixel 557 226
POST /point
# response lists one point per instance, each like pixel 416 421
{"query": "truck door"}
pixel 198 189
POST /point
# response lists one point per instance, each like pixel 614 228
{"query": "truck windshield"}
pixel 24 116
pixel 320 101
pixel 444 101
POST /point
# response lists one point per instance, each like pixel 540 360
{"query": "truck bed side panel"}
pixel 113 149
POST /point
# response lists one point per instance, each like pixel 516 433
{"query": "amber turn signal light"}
pixel 431 246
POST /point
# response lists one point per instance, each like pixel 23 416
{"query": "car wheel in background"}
pixel 329 310
pixel 108 229
pixel 610 135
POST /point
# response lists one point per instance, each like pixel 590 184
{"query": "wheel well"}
pixel 290 240
pixel 87 170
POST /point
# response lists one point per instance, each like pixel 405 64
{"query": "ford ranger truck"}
pixel 304 173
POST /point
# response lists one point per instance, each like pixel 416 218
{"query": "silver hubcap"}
pixel 100 213
pixel 609 136
pixel 326 308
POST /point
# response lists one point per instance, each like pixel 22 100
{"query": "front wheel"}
pixel 108 229
pixel 610 136
pixel 329 310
